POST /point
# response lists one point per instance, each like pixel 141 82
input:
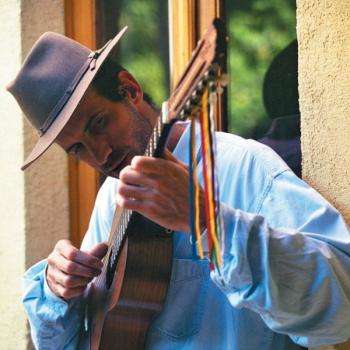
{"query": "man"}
pixel 285 276
pixel 281 101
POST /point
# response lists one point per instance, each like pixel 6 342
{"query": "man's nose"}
pixel 98 148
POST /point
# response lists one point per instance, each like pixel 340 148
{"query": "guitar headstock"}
pixel 205 69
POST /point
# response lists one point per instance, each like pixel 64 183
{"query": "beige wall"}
pixel 324 87
pixel 34 204
pixel 12 323
pixel 324 79
pixel 46 182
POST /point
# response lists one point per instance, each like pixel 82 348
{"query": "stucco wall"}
pixel 12 322
pixel 324 79
pixel 323 28
pixel 34 204
pixel 46 182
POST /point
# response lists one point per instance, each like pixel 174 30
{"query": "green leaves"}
pixel 144 52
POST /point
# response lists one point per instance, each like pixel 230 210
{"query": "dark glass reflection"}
pixel 258 30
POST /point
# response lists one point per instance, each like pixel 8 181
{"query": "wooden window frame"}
pixel 83 179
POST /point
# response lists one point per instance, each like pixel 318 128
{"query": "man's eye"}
pixel 75 150
pixel 98 124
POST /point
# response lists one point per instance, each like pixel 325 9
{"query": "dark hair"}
pixel 107 83
pixel 280 90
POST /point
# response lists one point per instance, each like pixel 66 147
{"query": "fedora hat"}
pixel 52 81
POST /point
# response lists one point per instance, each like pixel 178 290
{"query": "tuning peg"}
pixel 195 99
pixel 219 89
pixel 213 97
pixel 182 115
pixel 165 112
pixel 187 108
pixel 201 87
pixel 224 79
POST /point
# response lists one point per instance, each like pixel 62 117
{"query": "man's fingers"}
pixel 99 250
pixel 156 166
pixel 65 280
pixel 133 177
pixel 68 293
pixel 71 267
pixel 145 207
pixel 148 165
pixel 66 249
pixel 136 192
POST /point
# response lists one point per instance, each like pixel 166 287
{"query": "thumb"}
pixel 99 250
pixel 167 155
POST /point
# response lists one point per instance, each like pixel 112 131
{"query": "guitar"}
pixel 130 292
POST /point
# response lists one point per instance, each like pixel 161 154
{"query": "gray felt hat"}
pixel 52 81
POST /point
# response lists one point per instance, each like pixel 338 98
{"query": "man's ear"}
pixel 129 88
pixel 125 91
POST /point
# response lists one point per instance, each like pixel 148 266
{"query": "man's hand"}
pixel 158 189
pixel 70 269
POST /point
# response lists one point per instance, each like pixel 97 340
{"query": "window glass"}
pixel 258 31
pixel 144 50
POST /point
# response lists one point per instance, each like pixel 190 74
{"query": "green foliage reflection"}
pixel 258 30
pixel 145 50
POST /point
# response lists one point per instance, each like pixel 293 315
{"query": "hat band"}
pixel 89 64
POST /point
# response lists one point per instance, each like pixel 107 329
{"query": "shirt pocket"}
pixel 184 306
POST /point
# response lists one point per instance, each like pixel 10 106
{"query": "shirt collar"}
pixel 181 151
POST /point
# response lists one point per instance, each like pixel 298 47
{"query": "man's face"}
pixel 105 134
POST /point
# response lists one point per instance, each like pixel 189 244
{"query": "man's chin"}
pixel 115 173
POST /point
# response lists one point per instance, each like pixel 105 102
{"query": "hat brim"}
pixel 48 138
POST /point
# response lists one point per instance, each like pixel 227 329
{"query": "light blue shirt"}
pixel 285 278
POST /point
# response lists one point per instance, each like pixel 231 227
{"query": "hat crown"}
pixel 46 74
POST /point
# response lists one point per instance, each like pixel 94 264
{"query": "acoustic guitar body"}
pixel 122 309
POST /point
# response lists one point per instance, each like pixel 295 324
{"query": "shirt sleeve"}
pixel 55 323
pixel 290 263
